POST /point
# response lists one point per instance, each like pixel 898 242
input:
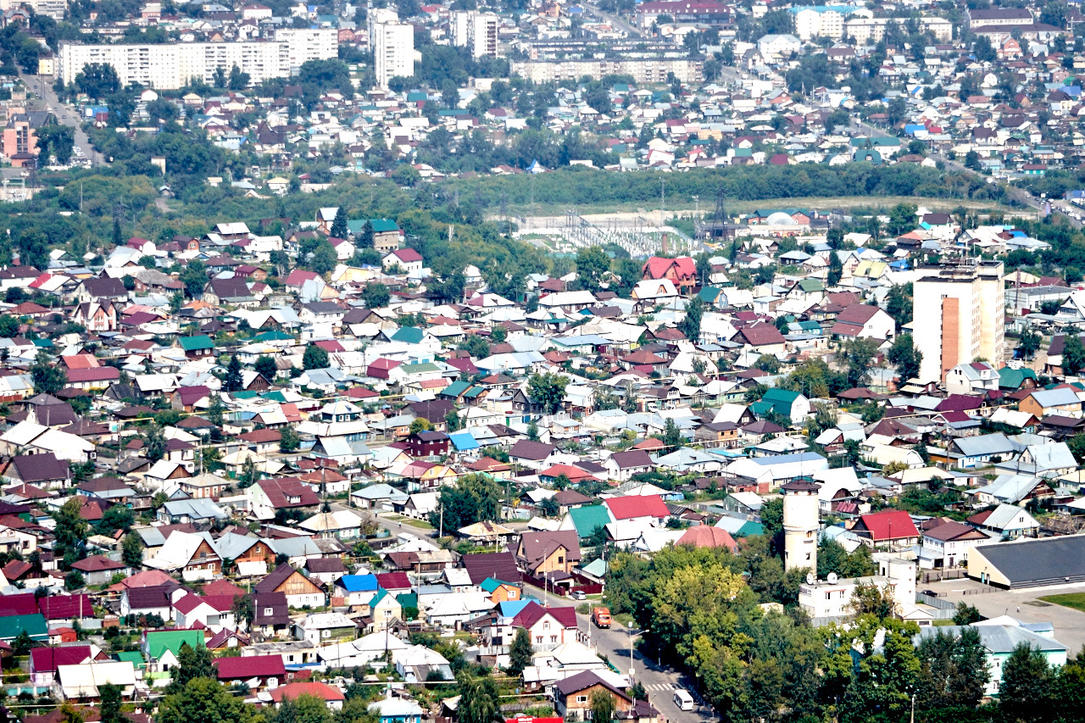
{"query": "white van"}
pixel 683 699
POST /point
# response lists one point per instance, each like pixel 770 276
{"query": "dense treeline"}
pixel 747 183
pixel 701 609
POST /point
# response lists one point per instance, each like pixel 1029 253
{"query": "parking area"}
pixel 1024 605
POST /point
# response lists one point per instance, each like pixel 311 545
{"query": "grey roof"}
pixel 1055 397
pixel 983 445
pixel 997 639
pixel 295 546
pixel 197 509
pixel 1049 560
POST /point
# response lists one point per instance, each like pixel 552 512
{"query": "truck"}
pixel 601 616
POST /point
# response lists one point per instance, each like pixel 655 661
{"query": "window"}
pixel 582 699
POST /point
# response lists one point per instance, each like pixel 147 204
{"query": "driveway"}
pixel 1024 605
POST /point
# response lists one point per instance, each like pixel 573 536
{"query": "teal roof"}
pixel 586 519
pixel 11 626
pixel 709 294
pixel 1014 378
pixel 408 334
pixel 490 584
pixel 132 656
pixel 196 343
pixel 383 225
pixel 273 335
pixel 455 389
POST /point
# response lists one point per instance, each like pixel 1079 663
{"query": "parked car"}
pixel 601 616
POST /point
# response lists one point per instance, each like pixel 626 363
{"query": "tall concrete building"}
pixel 393 51
pixel 475 30
pixel 958 313
pixel 802 525
pixel 172 66
pixel 305 44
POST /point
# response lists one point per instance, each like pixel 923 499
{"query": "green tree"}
pixel 48 377
pixel 592 263
pixel 303 709
pixel 836 269
pixel 479 702
pixel 98 80
pixel 476 346
pixel 1026 687
pixel 376 296
pixel 858 355
pixel 902 219
pixel 953 670
pixel 233 381
pixel 215 410
pixel 192 663
pixel 324 258
pixel 70 534
pixel 288 441
pixel 690 325
pixel 1073 355
pixel 109 703
pixel 339 223
pixel 314 358
pixel 520 652
pixel 602 706
pixel 202 700
pixel 265 367
pixel 194 277
pixel 472 499
pixel 904 355
pixel 9 326
pixel 898 303
pixel 1028 344
pixel 547 390
pixel 672 435
pixel 132 550
pixel 154 443
pixel 966 614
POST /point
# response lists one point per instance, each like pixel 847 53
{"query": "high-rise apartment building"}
pixel 174 65
pixel 304 44
pixel 393 51
pixel 958 315
pixel 475 30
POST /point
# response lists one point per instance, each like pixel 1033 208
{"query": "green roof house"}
pixel 587 518
pixel 164 646
pixel 784 402
pixel 12 626
pixel 196 346
pixel 1011 380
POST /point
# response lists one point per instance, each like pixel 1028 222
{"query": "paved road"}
pixel 631 30
pixel 659 682
pixel 42 86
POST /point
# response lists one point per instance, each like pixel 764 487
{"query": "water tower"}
pixel 801 525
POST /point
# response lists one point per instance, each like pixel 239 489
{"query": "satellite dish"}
pixel 810 579
pixel 832 577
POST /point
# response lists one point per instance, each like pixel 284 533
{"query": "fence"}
pixel 943 609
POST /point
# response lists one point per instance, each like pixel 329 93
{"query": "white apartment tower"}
pixel 475 30
pixel 393 51
pixel 958 313
pixel 801 525
pixel 172 66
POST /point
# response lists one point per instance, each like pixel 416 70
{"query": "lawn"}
pixel 1075 600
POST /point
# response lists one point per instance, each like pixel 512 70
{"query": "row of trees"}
pixel 704 616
